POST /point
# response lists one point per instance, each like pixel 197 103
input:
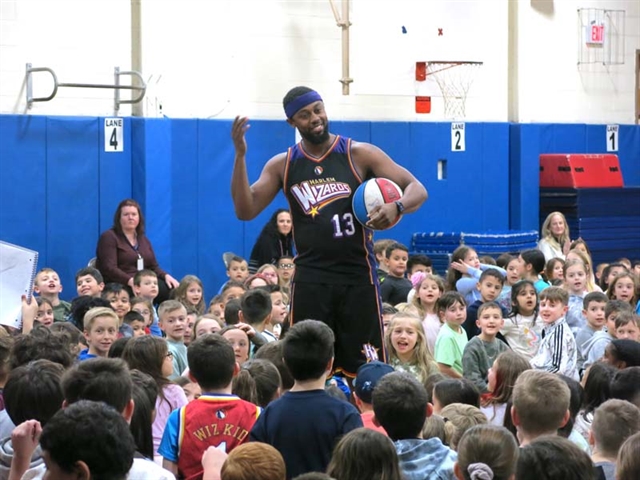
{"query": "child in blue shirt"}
pixel 305 423
pixel 464 273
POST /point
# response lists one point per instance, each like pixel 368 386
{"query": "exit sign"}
pixel 594 34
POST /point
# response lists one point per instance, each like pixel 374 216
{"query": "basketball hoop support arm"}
pixel 344 23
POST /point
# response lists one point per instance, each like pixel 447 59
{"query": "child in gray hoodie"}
pixel 401 406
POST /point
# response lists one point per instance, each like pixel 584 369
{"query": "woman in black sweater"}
pixel 274 241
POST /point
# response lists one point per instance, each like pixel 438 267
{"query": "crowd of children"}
pixel 519 367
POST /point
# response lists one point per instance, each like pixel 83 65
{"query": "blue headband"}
pixel 300 102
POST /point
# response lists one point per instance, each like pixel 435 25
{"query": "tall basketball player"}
pixel 335 278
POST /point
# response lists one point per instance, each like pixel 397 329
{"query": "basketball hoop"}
pixel 454 80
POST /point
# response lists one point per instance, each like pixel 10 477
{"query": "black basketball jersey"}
pixel 332 246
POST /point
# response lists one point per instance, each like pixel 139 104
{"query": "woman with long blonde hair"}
pixel 554 236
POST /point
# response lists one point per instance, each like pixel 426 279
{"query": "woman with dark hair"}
pixel 596 383
pixel 274 241
pixel 124 249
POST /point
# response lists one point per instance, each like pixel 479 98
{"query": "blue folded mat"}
pixel 491 243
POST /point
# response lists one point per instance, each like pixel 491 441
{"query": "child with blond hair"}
pixel 460 418
pixel 406 346
pixel 100 330
pixel 428 289
pixel 575 283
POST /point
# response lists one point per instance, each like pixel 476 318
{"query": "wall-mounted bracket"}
pixel 141 88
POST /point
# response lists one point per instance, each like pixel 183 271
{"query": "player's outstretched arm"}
pixel 250 200
pixel 371 160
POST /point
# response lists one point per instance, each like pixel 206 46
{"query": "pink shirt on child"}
pixel 175 398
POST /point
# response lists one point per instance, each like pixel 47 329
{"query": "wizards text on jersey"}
pixel 314 194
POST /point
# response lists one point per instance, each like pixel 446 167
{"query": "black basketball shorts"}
pixel 354 314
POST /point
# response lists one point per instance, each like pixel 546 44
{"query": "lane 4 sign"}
pixel 113 135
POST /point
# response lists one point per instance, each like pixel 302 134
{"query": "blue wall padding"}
pixel 494 209
pixel 219 229
pixel 477 178
pixel 420 154
pixel 359 131
pixel 394 138
pixel 138 158
pixel 72 200
pixel 185 189
pixel 115 174
pixel 567 138
pixel 23 188
pixel 59 189
pixel 155 165
pixel 595 138
pixel 629 154
pixel 524 168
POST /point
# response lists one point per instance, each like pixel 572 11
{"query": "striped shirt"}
pixel 558 350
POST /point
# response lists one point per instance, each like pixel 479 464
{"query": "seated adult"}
pixel 124 249
pixel 554 237
pixel 275 241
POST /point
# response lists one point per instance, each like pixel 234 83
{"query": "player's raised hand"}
pixel 238 129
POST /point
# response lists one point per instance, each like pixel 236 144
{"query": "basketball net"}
pixel 454 80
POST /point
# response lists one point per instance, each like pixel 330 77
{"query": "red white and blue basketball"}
pixel 372 193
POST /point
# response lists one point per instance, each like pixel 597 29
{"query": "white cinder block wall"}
pixel 81 40
pixel 218 58
pixel 552 87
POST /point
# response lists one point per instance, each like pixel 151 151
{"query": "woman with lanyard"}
pixel 124 250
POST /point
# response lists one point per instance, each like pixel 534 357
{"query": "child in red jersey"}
pixel 217 418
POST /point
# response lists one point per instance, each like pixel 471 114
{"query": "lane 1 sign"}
pixel 612 138
pixel 113 135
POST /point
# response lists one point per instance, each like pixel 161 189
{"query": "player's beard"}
pixel 317 138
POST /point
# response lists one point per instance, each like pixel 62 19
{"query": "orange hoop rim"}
pixel 442 65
